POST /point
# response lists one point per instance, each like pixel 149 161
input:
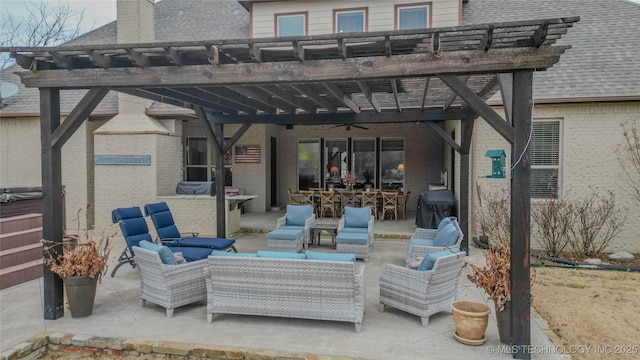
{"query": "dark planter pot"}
pixel 81 292
pixel 503 318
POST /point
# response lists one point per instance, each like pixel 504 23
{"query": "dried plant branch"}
pixel 495 276
pixel 553 219
pixel 629 155
pixel 78 258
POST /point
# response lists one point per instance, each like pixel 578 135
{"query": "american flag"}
pixel 248 154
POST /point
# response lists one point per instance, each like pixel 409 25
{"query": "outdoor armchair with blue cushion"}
pixel 426 241
pixel 298 217
pixel 424 291
pixel 134 230
pixel 167 283
pixel 168 231
pixel 357 220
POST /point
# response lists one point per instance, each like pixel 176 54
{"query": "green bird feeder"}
pixel 498 158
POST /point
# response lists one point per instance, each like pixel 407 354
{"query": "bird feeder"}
pixel 498 158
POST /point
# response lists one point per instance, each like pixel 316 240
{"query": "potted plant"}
pixel 495 278
pixel 81 265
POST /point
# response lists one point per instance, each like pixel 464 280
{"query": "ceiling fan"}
pixel 348 126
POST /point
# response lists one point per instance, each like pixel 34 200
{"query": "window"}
pixel 364 161
pixel 291 24
pixel 545 159
pixel 412 17
pixel 198 162
pixel 391 164
pixel 353 20
pixel 335 158
pixel 308 164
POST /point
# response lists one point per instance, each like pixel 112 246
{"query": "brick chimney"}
pixel 136 20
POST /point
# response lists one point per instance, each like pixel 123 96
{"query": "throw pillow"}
pixel 232 254
pixel 429 260
pixel 166 256
pixel 448 236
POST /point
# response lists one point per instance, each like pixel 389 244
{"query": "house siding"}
pixel 380 14
pixel 590 134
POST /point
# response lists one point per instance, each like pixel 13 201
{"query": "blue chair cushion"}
pixel 352 238
pixel 233 254
pixel 291 227
pixel 447 236
pixel 163 220
pixel 298 214
pixel 444 222
pixel 280 255
pixel 317 255
pixel 356 230
pixel 419 242
pixel 429 260
pixel 285 234
pixel 356 217
pixel 166 255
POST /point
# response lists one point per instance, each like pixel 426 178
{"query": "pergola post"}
pixel 520 214
pixel 465 175
pixel 221 228
pixel 52 214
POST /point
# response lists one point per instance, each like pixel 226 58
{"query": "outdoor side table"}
pixel 329 226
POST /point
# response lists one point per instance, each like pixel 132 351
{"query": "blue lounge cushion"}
pixel 192 253
pixel 352 238
pixel 233 254
pixel 280 255
pixel 298 214
pixel 429 260
pixel 163 220
pixel 291 227
pixel 444 222
pixel 215 243
pixel 166 255
pixel 317 255
pixel 286 234
pixel 448 236
pixel 356 217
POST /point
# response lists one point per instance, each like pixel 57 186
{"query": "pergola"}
pixel 429 75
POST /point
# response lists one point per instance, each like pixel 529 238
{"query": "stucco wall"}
pixel 20 164
pixel 320 21
pixel 589 136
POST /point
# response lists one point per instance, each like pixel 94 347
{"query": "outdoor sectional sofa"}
pixel 314 285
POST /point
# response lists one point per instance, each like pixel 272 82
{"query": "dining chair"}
pixel 348 198
pixel 328 202
pixel 370 198
pixel 389 203
pixel 294 197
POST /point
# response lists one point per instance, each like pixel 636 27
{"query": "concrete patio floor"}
pixel 385 335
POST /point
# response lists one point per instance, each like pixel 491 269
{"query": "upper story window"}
pixel 291 24
pixel 415 16
pixel 350 20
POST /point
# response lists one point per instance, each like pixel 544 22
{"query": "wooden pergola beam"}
pixel 350 69
pixel 77 116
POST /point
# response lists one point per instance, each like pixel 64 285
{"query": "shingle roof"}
pixel 604 61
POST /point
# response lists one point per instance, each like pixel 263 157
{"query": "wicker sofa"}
pixel 296 286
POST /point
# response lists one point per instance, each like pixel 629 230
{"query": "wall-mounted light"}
pixel 400 167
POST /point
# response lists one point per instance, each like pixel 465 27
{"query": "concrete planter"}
pixel 470 319
pixel 81 293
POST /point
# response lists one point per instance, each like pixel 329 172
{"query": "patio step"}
pixel 20 249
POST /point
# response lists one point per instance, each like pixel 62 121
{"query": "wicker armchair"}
pixel 169 286
pixel 422 293
pixel 303 218
pixel 422 241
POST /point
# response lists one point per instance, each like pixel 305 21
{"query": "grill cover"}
pixel 196 188
pixel 433 206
